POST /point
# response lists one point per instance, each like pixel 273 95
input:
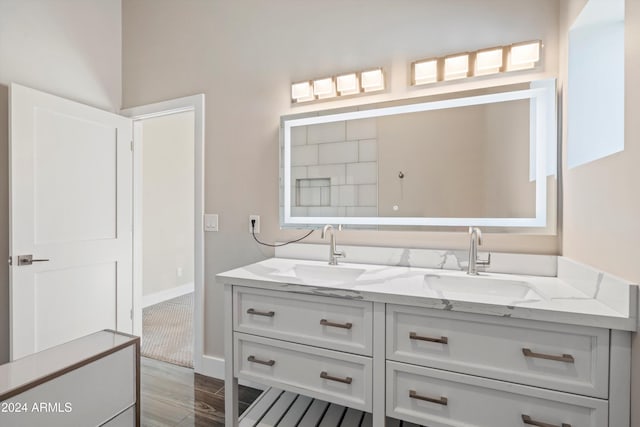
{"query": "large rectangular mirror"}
pixel 476 158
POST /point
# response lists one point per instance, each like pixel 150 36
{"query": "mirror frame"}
pixel 542 138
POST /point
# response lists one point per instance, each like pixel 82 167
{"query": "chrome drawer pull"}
pixel 564 358
pixel 441 401
pixel 261 362
pixel 441 340
pixel 326 376
pixel 325 322
pixel 261 313
pixel 527 420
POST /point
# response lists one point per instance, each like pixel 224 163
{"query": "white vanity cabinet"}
pixel 442 369
pixel 313 345
pixel 381 344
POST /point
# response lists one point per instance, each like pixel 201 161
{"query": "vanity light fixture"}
pixel 424 72
pixel 456 66
pixel 494 60
pixel 336 86
pixel 489 61
pixel 524 55
pixel 348 84
pixel 301 92
pixel 372 80
pixel 324 88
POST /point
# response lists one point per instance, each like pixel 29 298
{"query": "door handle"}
pixel 28 260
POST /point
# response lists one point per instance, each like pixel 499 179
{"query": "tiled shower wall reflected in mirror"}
pixel 335 169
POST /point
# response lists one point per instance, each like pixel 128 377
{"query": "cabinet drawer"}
pixel 328 375
pixel 334 323
pixel 574 359
pixel 443 399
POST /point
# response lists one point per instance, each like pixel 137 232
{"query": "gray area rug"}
pixel 167 331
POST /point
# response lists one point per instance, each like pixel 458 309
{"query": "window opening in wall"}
pixel 595 88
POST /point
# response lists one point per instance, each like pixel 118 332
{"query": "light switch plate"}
pixel 210 222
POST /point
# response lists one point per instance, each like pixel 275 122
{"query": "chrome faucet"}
pixel 475 262
pixel 333 254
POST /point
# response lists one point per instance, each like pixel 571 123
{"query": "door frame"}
pixel 196 104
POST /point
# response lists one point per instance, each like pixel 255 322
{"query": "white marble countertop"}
pixel 571 299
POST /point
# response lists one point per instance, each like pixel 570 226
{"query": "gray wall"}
pixel 243 55
pixel 601 200
pixel 70 48
pixel 167 202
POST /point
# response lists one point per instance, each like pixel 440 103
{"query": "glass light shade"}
pixel 301 92
pixel 524 55
pixel 456 67
pixel 488 61
pixel 425 72
pixel 324 88
pixel 348 84
pixel 372 80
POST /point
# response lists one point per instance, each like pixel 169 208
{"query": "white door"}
pixel 70 203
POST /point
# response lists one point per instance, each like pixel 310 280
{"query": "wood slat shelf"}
pixel 280 408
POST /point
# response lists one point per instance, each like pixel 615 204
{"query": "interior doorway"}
pixel 168 259
pixel 168 250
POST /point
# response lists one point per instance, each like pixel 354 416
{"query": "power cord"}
pixel 253 233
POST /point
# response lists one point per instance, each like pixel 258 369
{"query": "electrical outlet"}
pixel 256 229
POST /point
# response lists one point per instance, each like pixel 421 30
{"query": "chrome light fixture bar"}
pixel 494 60
pixel 336 86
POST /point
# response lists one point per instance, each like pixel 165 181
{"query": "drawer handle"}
pixel 326 376
pixel 261 313
pixel 261 362
pixel 527 420
pixel 325 322
pixel 441 340
pixel 441 401
pixel 564 358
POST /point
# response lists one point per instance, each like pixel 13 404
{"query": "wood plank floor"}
pixel 173 396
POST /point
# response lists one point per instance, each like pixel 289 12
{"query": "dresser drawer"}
pixel 443 399
pixel 334 323
pixel 574 359
pixel 328 375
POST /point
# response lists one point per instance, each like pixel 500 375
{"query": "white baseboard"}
pixel 165 295
pixel 214 367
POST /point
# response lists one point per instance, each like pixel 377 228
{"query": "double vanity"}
pixel 537 340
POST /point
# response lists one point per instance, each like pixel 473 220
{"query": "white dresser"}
pixel 91 381
pixel 401 356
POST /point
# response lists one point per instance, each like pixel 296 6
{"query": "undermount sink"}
pixel 326 275
pixel 480 285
